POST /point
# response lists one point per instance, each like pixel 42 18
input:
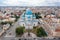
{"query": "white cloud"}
pixel 11 2
pixel 23 2
pixel 30 2
pixel 53 0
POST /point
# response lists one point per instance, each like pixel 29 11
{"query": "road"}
pixel 11 31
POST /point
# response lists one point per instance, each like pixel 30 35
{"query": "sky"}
pixel 29 2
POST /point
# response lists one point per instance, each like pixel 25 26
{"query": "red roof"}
pixel 57 30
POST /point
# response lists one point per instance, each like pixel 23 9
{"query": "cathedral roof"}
pixel 28 12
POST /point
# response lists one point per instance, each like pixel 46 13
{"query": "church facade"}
pixel 28 19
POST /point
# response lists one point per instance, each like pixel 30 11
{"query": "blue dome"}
pixel 28 12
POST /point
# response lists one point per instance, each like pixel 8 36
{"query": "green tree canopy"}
pixel 41 32
pixel 19 30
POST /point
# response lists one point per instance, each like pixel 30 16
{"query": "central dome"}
pixel 28 12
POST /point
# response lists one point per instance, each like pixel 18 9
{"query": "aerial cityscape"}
pixel 29 19
pixel 29 23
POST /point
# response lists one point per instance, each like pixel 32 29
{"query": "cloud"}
pixel 11 2
pixel 30 2
pixel 22 2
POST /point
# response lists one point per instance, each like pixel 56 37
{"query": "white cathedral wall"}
pixel 22 24
pixel 36 23
pixel 28 27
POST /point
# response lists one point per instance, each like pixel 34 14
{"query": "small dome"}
pixel 28 12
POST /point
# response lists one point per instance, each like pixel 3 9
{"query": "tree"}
pixel 3 23
pixel 41 32
pixel 37 15
pixel 40 16
pixel 11 13
pixel 4 11
pixel 10 23
pixel 19 30
pixel 6 23
pixel 16 17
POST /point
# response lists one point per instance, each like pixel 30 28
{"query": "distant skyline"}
pixel 29 2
